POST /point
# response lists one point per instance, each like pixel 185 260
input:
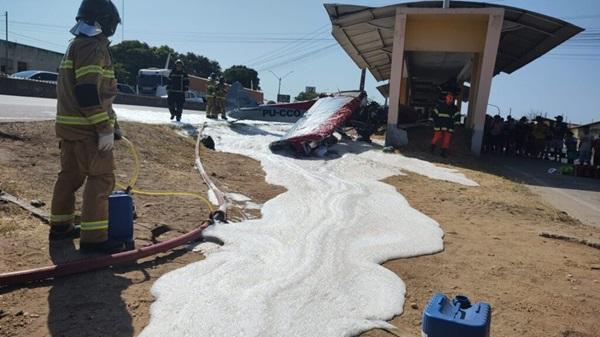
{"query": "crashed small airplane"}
pixel 240 106
pixel 314 132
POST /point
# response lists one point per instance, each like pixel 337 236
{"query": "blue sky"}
pixel 257 33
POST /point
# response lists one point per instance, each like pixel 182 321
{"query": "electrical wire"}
pixel 311 53
pixel 37 40
pixel 288 48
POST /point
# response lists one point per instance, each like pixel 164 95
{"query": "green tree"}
pixel 131 56
pixel 306 96
pixel 248 77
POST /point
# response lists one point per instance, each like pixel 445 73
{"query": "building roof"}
pixel 12 44
pixel 366 34
pixel 589 125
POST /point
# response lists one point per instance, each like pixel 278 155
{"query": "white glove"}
pixel 106 141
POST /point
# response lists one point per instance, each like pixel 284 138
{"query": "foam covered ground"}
pixel 311 265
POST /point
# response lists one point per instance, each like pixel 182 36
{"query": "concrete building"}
pixel 591 128
pixel 23 57
pixel 417 46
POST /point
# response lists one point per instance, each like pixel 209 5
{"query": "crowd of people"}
pixel 540 138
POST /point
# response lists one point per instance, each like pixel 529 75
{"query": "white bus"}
pixel 153 82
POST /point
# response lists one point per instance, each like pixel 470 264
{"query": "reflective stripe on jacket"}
pixel 220 91
pixel 445 117
pixel 86 89
pixel 178 81
pixel 211 88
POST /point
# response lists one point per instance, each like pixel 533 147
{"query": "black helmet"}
pixel 103 12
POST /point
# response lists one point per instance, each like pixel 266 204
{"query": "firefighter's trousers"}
pixel 81 162
pixel 210 107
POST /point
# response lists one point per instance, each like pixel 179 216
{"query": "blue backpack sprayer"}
pixel 121 212
pixel 121 208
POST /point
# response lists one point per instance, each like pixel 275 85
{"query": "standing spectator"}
pixel 539 134
pixel 596 147
pixel 508 135
pixel 571 144
pixel 178 86
pixel 558 137
pixel 496 130
pixel 520 134
pixel 585 147
pixel 487 138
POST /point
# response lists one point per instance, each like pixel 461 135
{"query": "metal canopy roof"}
pixel 367 34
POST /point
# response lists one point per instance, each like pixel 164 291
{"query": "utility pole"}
pixel 446 4
pixel 122 20
pixel 279 79
pixel 6 45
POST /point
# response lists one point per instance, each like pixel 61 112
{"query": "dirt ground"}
pixel 112 302
pixel 537 286
pixel 493 252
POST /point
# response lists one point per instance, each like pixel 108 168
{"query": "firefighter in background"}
pixel 178 85
pixel 445 117
pixel 87 128
pixel 210 96
pixel 221 92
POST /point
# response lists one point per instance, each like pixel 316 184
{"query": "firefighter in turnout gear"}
pixel 220 94
pixel 178 85
pixel 445 117
pixel 210 97
pixel 87 128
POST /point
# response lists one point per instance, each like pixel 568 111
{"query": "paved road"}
pixel 579 197
pixel 19 108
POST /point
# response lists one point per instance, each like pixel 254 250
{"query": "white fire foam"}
pixel 310 266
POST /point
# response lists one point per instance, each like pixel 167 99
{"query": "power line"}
pixel 287 56
pixel 312 53
pixel 292 51
pixel 37 40
pixel 285 48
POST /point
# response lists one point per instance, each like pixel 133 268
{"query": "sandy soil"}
pixel 113 302
pixel 493 252
pixel 537 286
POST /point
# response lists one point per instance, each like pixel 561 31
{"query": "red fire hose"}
pixel 84 265
pixel 80 266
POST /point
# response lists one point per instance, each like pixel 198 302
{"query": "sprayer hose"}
pixel 136 173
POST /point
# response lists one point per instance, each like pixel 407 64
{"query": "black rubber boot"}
pixel 432 150
pixel 444 153
pixel 172 116
pixel 107 247
pixel 69 233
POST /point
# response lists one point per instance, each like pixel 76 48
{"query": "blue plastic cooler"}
pixel 456 318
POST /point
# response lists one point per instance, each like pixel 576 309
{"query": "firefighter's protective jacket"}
pixel 211 88
pixel 445 117
pixel 86 90
pixel 179 82
pixel 221 91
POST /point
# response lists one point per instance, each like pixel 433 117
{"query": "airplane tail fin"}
pixel 238 98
